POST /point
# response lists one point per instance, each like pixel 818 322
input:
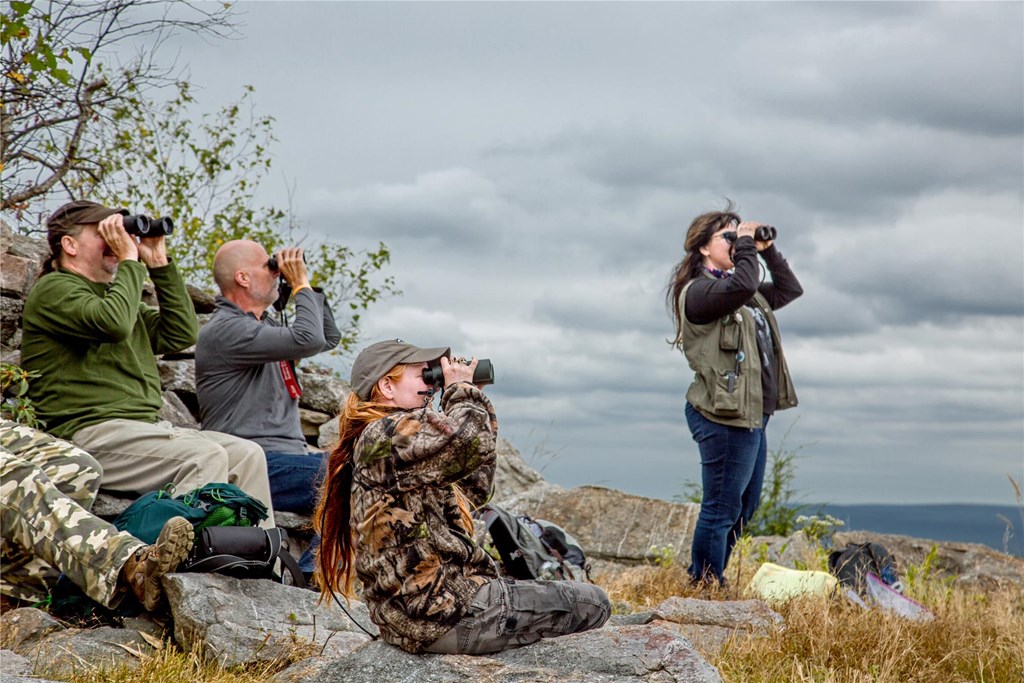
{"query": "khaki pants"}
pixel 138 457
pixel 506 614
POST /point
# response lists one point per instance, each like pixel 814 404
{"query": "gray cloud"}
pixel 534 166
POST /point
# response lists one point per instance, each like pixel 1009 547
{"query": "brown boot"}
pixel 144 568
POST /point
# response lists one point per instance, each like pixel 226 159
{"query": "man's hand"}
pixel 122 244
pixel 292 266
pixel 153 251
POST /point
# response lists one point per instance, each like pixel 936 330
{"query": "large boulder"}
pixel 236 621
pixel 606 655
pixel 56 650
pixel 612 525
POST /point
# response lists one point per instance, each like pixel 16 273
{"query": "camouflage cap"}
pixel 80 212
pixel 376 360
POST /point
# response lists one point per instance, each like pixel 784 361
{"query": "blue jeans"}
pixel 732 463
pixel 294 480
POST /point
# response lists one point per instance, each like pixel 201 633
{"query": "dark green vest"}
pixel 724 390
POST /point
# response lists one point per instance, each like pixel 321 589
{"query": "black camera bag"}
pixel 245 553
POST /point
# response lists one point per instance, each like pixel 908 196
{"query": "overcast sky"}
pixel 534 167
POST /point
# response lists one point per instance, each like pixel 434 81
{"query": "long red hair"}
pixel 332 518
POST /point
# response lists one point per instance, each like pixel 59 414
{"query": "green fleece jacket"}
pixel 93 345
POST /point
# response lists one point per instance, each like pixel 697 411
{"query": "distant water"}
pixel 965 523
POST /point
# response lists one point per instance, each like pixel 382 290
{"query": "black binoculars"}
pixel 484 373
pixel 272 262
pixel 764 233
pixel 144 226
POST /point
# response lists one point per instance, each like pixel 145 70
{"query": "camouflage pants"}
pixel 506 613
pixel 46 489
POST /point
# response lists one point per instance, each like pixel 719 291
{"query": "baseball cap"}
pixel 80 212
pixel 376 360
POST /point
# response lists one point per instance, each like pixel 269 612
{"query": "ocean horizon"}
pixel 1000 527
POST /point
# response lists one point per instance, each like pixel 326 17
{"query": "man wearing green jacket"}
pixel 93 342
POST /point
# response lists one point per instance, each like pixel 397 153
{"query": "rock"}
pixel 20 628
pixel 12 664
pixel 970 564
pixel 31 248
pixel 17 275
pixel 709 624
pixel 178 376
pixel 613 525
pixel 328 438
pixel 627 653
pixel 109 506
pixel 10 321
pixel 513 475
pixel 9 355
pixel 83 651
pixel 312 420
pixel 750 615
pixel 149 295
pixel 321 390
pixel 202 301
pixel 176 412
pixel 236 621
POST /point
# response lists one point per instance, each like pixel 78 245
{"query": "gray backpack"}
pixel 533 548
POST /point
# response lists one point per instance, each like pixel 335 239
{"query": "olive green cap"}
pixel 376 360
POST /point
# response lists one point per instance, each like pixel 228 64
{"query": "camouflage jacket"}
pixel 418 568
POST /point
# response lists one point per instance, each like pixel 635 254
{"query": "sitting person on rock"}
pixel 395 510
pixel 47 489
pixel 245 366
pixel 92 342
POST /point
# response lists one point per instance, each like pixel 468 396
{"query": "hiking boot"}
pixel 144 568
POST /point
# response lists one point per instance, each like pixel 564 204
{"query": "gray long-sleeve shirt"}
pixel 239 380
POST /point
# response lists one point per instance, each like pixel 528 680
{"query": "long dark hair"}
pixel 700 232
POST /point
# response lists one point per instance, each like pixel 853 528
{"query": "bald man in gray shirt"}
pixel 245 373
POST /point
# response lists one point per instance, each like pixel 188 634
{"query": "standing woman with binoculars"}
pixel 726 327
pixel 394 509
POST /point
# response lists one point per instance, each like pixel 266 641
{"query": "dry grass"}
pixel 976 636
pixel 170 665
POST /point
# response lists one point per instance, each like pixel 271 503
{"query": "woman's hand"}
pixel 458 370
pixel 749 229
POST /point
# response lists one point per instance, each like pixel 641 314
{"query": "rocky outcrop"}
pixel 611 654
pixel 610 524
pixel 235 621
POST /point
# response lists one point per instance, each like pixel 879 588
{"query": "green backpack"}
pixel 216 504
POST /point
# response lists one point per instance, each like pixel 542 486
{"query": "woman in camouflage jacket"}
pixel 394 509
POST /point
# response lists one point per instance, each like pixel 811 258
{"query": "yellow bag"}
pixel 775 583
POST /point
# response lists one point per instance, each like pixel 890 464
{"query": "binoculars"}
pixel 144 226
pixel 272 262
pixel 484 373
pixel 764 233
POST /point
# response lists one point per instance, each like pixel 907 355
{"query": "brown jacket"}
pixel 418 567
